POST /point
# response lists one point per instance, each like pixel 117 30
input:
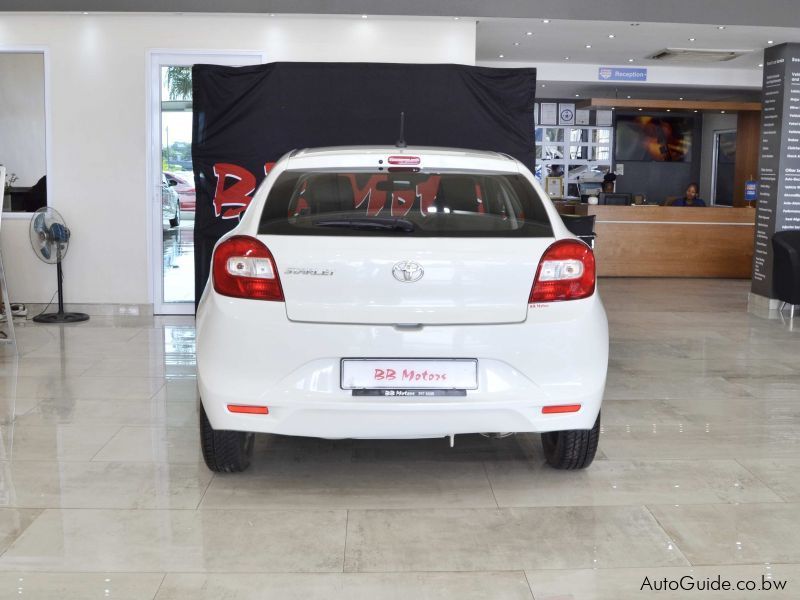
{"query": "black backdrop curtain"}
pixel 246 118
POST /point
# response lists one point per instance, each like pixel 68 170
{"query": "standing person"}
pixel 691 197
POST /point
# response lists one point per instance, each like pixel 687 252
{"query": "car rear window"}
pixel 421 204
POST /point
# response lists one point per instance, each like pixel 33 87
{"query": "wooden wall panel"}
pixel 748 134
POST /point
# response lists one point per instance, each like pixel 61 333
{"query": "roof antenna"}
pixel 401 143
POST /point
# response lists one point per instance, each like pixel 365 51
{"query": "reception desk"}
pixel 663 241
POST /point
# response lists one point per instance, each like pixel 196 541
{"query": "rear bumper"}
pixel 248 352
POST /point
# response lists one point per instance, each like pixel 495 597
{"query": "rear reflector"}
pixel 403 160
pixel 561 408
pixel 566 272
pixel 243 267
pixel 248 409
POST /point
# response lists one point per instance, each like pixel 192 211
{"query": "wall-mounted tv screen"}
pixel 667 139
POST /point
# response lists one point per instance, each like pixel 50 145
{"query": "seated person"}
pixel 691 197
pixel 608 183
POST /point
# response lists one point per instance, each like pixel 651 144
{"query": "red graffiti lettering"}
pixel 234 187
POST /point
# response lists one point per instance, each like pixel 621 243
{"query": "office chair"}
pixel 786 268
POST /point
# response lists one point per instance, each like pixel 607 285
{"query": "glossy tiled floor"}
pixel 103 493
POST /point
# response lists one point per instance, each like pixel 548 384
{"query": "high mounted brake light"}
pixel 243 267
pixel 566 272
pixel 404 160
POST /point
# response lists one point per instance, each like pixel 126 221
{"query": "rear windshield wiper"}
pixel 379 223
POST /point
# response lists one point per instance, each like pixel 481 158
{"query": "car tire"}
pixel 224 451
pixel 572 448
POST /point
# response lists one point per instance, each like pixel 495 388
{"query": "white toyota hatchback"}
pixel 400 293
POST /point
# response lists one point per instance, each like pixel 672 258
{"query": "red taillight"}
pixel 566 272
pixel 244 268
pixel 560 408
pixel 248 409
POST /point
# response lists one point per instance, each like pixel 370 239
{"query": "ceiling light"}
pixel 566 58
pixel 695 110
pixel 528 33
pixel 545 21
pixel 588 46
pixel 721 27
pixel 760 65
pixel 577 95
pixel 456 18
pixel 363 16
pixel 501 56
pixel 681 98
pixel 516 43
pixel 85 13
pixel 640 109
pixel 770 42
pixel 611 36
pixel 691 39
pixel 544 85
pixel 630 60
pixel 629 97
pixel 722 111
pixel 669 110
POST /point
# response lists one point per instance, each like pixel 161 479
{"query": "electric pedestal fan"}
pixel 50 240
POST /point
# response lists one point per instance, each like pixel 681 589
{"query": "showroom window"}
pixel 23 131
pixel 575 153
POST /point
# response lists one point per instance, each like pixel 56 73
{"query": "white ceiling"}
pixel 553 42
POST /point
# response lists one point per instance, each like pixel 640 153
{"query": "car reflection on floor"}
pixel 178 269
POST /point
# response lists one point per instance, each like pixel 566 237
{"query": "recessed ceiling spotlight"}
pixel 544 85
pixel 630 60
pixel 588 46
pixel 611 36
pixel 695 110
pixel 760 65
pixel 722 111
pixel 629 97
pixel 577 95
pixel 566 58
pixel 545 21
pixel 528 33
pixel 501 56
pixel 640 109
pixel 691 39
pixel 516 43
pixel 721 27
pixel 612 108
pixel 84 13
pixel 770 42
pixel 681 98
pixel 669 110
pixel 363 16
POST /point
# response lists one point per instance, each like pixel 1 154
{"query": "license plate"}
pixel 394 373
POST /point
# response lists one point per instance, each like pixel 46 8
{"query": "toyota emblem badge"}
pixel 408 271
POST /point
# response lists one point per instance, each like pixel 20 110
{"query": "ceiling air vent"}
pixel 692 56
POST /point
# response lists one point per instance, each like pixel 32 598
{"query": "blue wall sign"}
pixel 622 74
pixel 750 190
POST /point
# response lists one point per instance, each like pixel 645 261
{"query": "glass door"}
pixel 724 167
pixel 171 176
